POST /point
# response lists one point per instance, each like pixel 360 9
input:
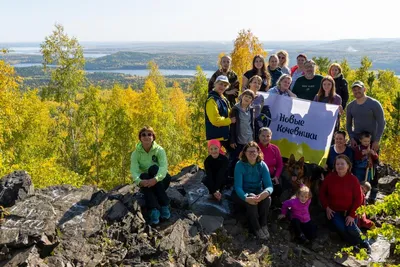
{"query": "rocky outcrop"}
pixel 14 187
pixel 87 226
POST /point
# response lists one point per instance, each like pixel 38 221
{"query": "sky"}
pixel 201 20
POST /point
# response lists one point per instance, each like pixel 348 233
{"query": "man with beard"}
pixel 307 86
pixel 233 90
pixel 365 114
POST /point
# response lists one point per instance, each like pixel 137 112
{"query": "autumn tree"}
pixel 158 80
pixel 90 118
pixel 120 138
pixel 63 58
pixel 197 105
pixel 245 47
pixel 323 64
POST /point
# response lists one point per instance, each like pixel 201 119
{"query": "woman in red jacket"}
pixel 341 195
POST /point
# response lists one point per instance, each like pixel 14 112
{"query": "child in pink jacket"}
pixel 304 228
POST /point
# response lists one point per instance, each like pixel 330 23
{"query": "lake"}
pixel 163 72
pixel 145 72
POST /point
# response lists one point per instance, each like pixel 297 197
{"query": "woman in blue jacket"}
pixel 253 188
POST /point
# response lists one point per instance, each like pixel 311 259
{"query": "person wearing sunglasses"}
pixel 283 57
pixel 149 170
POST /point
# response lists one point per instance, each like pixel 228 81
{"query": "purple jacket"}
pixel 337 100
pixel 299 210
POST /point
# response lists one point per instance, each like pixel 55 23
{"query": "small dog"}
pixel 309 174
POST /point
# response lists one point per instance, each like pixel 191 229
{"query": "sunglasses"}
pixel 281 57
pixel 146 134
pixel 252 151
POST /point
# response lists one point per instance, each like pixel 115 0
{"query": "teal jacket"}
pixel 252 179
pixel 141 161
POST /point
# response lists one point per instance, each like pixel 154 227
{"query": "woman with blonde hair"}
pixel 283 57
pixel 282 86
pixel 342 89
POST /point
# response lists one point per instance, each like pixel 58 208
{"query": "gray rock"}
pixel 15 187
pixel 176 198
pixel 388 184
pixel 285 253
pixel 210 224
pixel 380 250
pixel 27 257
pixel 185 174
pixel 116 212
pixel 176 239
pixel 225 260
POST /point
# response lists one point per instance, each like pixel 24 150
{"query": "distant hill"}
pixel 187 55
pixel 139 60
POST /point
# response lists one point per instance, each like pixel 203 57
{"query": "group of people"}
pixel 241 152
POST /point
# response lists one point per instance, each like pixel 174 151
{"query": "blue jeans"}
pixel 351 233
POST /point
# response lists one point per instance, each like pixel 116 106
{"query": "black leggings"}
pixel 308 229
pixel 256 214
pixel 155 196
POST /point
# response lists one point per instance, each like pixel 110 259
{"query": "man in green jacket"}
pixel 149 170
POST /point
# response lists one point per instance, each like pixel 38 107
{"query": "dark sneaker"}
pixel 154 216
pixel 165 213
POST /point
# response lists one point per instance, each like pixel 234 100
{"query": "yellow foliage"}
pixel 246 46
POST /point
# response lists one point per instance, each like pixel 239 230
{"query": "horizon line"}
pixel 212 41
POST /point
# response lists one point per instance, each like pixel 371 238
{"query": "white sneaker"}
pixel 260 235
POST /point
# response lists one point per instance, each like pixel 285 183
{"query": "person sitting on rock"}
pixel 341 196
pixel 149 168
pixel 216 167
pixel 253 188
pixel 304 228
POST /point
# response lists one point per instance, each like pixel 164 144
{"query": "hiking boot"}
pixel 154 216
pixel 265 230
pixel 261 235
pixel 165 213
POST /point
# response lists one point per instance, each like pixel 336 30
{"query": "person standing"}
pixel 335 70
pixel 307 86
pixel 233 90
pixel 298 70
pixel 259 69
pixel 273 69
pixel 283 57
pixel 365 114
pixel 217 113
